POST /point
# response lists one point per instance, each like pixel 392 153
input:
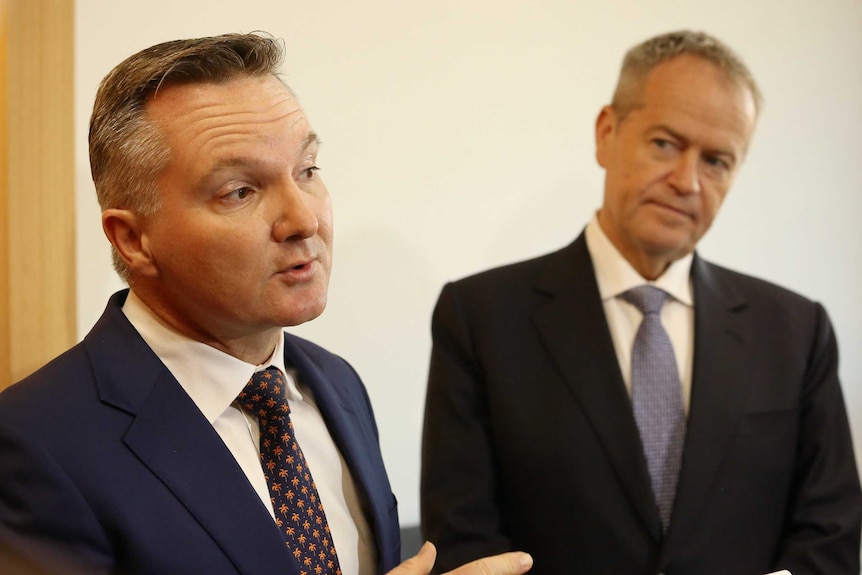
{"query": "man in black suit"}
pixel 531 415
pixel 141 449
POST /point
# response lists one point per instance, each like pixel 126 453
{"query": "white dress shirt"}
pixel 615 276
pixel 213 379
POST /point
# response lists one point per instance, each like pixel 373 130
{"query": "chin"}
pixel 298 316
pixel 665 239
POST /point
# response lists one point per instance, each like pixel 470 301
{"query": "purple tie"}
pixel 298 509
pixel 657 398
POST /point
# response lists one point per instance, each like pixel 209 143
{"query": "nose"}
pixel 297 218
pixel 685 177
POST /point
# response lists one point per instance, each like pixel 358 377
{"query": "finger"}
pixel 419 564
pixel 513 563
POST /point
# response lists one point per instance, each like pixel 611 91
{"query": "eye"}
pixel 308 173
pixel 716 162
pixel 238 194
pixel 662 144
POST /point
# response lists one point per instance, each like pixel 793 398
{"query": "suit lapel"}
pixel 355 436
pixel 174 440
pixel 719 384
pixel 172 437
pixel 573 326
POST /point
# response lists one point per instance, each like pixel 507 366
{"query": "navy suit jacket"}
pixel 530 442
pixel 107 466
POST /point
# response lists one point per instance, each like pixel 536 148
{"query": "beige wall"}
pixel 37 244
pixel 457 134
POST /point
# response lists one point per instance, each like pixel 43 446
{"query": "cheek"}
pixel 712 201
pixel 325 225
pixel 639 180
pixel 210 251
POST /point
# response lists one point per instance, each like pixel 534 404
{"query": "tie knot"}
pixel 263 395
pixel 648 299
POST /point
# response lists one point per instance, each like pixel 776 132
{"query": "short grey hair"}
pixel 640 60
pixel 128 152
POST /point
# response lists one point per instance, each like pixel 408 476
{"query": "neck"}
pixel 649 266
pixel 255 350
pixel 253 346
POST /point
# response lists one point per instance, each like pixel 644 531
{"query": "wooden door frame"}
pixel 37 184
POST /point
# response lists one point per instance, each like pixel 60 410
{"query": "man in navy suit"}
pixel 129 453
pixel 532 437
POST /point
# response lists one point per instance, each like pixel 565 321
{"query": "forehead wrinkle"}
pixel 216 113
pixel 218 134
pixel 202 111
pixel 249 161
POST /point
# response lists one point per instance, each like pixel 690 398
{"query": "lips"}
pixel 301 261
pixel 299 271
pixel 300 265
pixel 679 211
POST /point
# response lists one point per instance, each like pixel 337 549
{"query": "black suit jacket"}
pixel 107 466
pixel 530 442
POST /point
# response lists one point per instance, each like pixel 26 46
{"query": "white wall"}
pixel 458 135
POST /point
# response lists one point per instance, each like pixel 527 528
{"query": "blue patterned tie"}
pixel 298 509
pixel 657 398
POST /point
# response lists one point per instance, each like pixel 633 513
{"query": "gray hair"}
pixel 640 60
pixel 127 152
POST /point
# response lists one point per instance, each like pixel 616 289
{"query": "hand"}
pixel 514 563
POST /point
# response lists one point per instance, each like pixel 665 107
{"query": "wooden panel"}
pixel 5 363
pixel 40 182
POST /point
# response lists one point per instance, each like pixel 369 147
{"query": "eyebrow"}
pixel 311 138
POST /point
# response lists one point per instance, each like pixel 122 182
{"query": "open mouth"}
pixel 300 271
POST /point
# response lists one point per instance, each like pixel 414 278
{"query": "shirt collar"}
pixel 211 377
pixel 615 275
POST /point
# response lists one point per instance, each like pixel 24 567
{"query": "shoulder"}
pixel 67 376
pixel 776 310
pixel 524 275
pixel 734 284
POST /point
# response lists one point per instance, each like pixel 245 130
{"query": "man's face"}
pixel 242 242
pixel 671 161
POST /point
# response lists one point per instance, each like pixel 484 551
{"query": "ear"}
pixel 124 230
pixel 606 128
